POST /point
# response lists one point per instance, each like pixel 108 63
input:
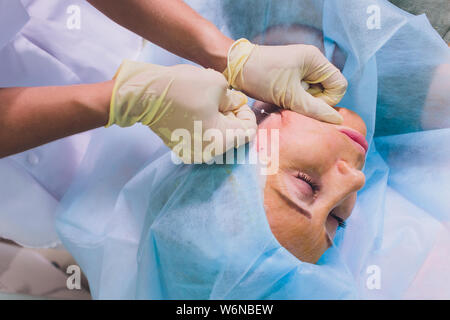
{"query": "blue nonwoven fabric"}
pixel 142 227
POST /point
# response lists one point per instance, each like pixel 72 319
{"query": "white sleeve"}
pixel 13 17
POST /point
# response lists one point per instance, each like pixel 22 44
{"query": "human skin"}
pixel 32 116
pixel 300 215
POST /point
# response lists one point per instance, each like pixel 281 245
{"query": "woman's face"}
pixel 319 174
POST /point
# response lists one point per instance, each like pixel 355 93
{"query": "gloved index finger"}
pixel 316 108
pixel 334 86
pixel 332 80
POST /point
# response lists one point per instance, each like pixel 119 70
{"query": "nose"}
pixel 346 180
pixel 352 179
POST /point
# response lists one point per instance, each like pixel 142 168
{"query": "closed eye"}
pixel 340 221
pixel 314 186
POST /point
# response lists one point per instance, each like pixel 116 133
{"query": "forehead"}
pixel 288 118
pixel 294 122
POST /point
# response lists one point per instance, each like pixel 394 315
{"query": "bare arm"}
pixel 172 25
pixel 34 116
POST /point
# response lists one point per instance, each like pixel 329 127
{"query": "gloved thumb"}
pixel 318 109
pixel 232 100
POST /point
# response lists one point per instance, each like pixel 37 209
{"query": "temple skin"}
pixel 299 216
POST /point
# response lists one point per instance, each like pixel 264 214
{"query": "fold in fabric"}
pixel 13 16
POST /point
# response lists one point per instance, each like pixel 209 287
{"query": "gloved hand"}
pixel 171 98
pixel 296 77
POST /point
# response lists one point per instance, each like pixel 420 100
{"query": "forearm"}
pixel 33 116
pixel 172 25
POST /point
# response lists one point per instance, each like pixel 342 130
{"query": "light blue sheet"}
pixel 142 227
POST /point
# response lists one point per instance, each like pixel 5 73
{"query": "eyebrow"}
pixel 294 205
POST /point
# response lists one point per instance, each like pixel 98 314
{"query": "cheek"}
pixel 307 242
pixel 309 150
pixel 302 237
pixel 293 232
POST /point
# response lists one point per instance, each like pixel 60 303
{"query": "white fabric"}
pixel 40 46
pixel 13 17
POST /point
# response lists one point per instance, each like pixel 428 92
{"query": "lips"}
pixel 357 137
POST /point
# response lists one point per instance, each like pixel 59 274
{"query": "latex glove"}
pixel 171 98
pixel 296 77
